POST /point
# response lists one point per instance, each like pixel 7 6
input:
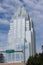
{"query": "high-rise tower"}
pixel 22 31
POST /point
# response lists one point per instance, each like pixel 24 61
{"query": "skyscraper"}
pixel 22 32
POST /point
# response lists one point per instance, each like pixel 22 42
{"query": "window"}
pixel 17 57
pixel 10 57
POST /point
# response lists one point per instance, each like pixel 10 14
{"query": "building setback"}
pixel 22 32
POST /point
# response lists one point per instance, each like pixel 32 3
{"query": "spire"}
pixel 21 12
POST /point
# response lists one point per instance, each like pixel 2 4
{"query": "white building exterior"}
pixel 21 31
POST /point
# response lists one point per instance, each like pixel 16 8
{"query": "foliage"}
pixel 36 60
pixel 1 58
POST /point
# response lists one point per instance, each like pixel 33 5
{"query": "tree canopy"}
pixel 36 60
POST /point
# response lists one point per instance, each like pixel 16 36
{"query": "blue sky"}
pixel 35 10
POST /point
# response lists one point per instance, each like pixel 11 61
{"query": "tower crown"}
pixel 21 12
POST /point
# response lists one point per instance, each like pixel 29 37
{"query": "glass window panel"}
pixel 17 57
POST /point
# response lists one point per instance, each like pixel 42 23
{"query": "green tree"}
pixel 1 58
pixel 36 60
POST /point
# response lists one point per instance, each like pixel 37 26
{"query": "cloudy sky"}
pixel 35 10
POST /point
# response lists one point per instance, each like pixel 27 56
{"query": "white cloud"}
pixel 4 21
pixel 2 9
pixel 35 9
pixel 3 39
